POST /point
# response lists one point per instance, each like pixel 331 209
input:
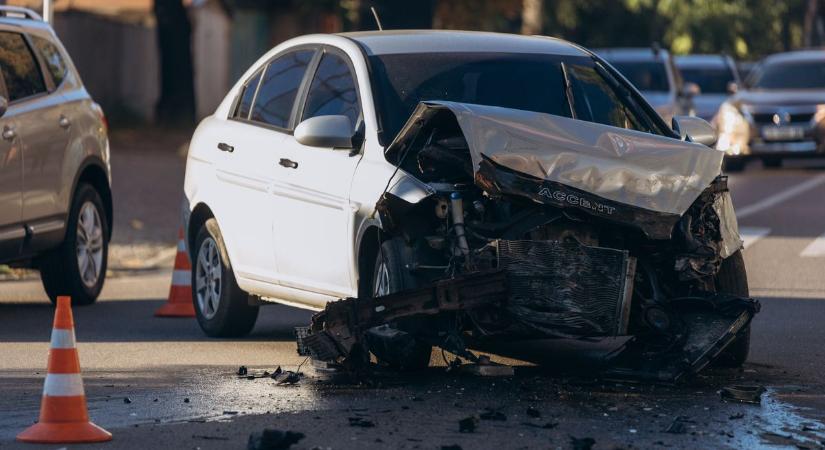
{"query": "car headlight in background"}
pixel 819 116
pixel 733 129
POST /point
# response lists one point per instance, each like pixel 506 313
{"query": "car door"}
pixel 42 132
pixel 11 175
pixel 314 218
pixel 253 141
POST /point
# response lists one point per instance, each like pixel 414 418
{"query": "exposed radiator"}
pixel 568 289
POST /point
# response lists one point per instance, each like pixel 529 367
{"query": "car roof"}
pixel 796 56
pixel 632 54
pixel 705 60
pixel 428 41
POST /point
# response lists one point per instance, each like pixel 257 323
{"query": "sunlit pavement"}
pixel 157 364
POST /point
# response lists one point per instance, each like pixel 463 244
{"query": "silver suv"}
pixel 55 199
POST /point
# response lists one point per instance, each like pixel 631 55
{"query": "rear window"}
pixel 247 96
pixel 649 76
pixel 54 60
pixel 19 67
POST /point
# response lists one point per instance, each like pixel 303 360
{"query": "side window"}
pixel 247 95
pixel 54 60
pixel 595 101
pixel 19 67
pixel 279 87
pixel 333 91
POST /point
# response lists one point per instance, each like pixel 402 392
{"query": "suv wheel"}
pixel 78 267
pixel 772 163
pixel 390 344
pixel 222 308
pixel 733 279
pixel 733 164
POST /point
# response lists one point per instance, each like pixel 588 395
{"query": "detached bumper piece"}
pixel 708 326
pixel 338 332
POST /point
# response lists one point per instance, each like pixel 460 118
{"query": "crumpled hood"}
pixel 651 172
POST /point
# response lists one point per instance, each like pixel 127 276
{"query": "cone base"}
pixel 176 310
pixel 64 433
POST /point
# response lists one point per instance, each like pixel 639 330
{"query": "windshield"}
pixel 789 75
pixel 529 82
pixel 711 80
pixel 649 76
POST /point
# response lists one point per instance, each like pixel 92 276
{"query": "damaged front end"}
pixel 527 225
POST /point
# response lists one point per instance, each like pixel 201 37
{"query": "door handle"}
pixel 288 163
pixel 226 147
pixel 9 133
pixel 64 122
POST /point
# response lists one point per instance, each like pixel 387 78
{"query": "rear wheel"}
pixel 733 279
pixel 78 267
pixel 391 344
pixel 222 308
pixel 772 163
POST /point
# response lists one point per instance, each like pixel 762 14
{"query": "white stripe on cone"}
pixel 62 338
pixel 182 278
pixel 63 385
pixel 181 246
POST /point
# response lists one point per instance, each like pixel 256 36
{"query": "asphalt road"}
pixel 182 391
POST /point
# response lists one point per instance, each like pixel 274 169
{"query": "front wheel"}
pixel 78 267
pixel 222 308
pixel 733 279
pixel 392 344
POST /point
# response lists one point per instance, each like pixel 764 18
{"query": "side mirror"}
pixel 732 88
pixel 690 90
pixel 325 131
pixel 694 129
pixel 4 105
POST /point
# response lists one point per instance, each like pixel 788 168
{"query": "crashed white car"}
pixel 363 165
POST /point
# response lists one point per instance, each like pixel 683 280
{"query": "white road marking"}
pixel 815 249
pixel 752 234
pixel 779 197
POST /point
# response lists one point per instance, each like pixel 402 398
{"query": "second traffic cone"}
pixel 64 418
pixel 180 294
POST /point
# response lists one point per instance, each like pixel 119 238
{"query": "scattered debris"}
pixel 586 443
pixel 186 400
pixel 743 394
pixel 737 416
pixel 127 400
pixel 451 447
pixel 210 438
pixel 360 422
pixel 276 373
pixel 242 371
pixel 468 424
pixel 678 426
pixel 288 378
pixel 230 413
pixel 533 412
pixel 546 426
pixel 272 439
pixel 491 414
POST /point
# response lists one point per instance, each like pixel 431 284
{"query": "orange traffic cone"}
pixel 180 294
pixel 64 418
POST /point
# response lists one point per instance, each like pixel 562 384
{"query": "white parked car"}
pixel 364 164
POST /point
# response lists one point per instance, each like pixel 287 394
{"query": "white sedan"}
pixel 361 164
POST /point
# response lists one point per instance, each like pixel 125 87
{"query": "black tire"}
pixel 734 164
pixel 772 163
pixel 233 316
pixel 60 269
pixel 733 279
pixel 405 354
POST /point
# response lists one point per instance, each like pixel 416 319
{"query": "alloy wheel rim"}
pixel 89 244
pixel 208 278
